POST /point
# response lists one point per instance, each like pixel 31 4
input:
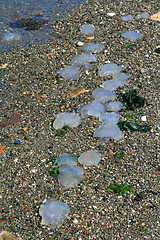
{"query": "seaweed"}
pixel 130 45
pixel 133 100
pixel 119 155
pixel 132 127
pixel 62 131
pixel 53 172
pixel 131 115
pixel 121 189
pixel 157 50
pixel 51 161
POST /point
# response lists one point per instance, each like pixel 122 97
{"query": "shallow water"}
pixel 13 10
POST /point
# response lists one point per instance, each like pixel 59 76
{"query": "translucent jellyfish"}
pixel 112 85
pixel 66 119
pixel 67 159
pixel 132 35
pixel 114 106
pixel 89 158
pixel 127 18
pixel 53 212
pixel 108 69
pixel 92 47
pixel 87 29
pixel 70 176
pixel 143 15
pixel 83 60
pixel 107 132
pixel 109 118
pixel 94 108
pixel 120 76
pixel 103 95
pixel 9 37
pixel 69 73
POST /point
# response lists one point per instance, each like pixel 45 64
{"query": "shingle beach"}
pixel 33 94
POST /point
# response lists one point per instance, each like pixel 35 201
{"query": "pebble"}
pixel 111 14
pixel 144 118
pixel 80 44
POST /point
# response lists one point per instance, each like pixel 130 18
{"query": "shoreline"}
pixel 33 89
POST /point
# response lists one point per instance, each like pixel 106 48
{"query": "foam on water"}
pixel 43 10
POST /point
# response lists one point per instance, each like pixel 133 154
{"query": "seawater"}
pixel 12 10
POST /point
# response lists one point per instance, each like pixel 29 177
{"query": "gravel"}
pixel 30 86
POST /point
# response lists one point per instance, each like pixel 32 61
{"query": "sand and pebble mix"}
pixel 32 95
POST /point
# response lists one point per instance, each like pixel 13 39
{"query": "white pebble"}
pixel 80 44
pixel 111 14
pixel 144 118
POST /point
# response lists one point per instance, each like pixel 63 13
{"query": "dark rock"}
pixel 140 196
pixel 29 23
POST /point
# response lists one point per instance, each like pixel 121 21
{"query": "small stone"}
pixel 144 118
pixel 80 44
pixel 2 147
pixel 111 14
pixel 90 37
pixel 4 65
pixel 17 142
pixel 156 17
pixel 76 92
pixel 75 221
pixel 4 235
